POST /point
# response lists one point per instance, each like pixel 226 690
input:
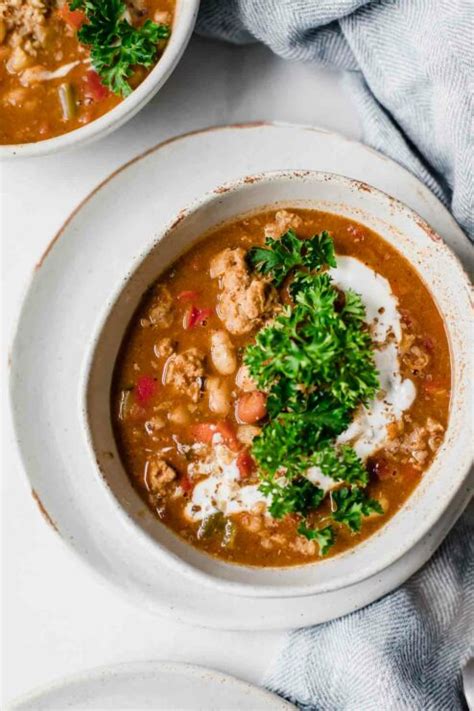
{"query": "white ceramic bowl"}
pixel 183 26
pixel 450 288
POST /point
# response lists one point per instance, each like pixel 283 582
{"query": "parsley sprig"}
pixel 280 256
pixel 315 361
pixel 352 505
pixel 116 46
pixel 324 537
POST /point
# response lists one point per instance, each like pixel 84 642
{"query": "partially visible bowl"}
pixel 183 25
pixel 449 286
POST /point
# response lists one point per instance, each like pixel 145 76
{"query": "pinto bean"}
pixel 251 407
pixel 219 401
pixel 223 353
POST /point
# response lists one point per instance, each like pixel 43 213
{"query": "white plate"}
pixel 56 325
pixel 163 686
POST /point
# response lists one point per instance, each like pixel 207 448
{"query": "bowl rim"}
pixel 249 589
pixel 184 21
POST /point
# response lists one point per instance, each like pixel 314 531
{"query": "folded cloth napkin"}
pixel 410 68
pixel 402 653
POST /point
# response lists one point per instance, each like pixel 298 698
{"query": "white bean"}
pixel 219 401
pixel 179 415
pixel 223 353
pixel 243 379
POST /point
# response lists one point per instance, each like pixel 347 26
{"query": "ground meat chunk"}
pixel 303 546
pixel 25 23
pixel 158 474
pixel 415 446
pixel 282 222
pixel 161 313
pixel 229 266
pixel 416 358
pixel 436 434
pixel 244 299
pixel 164 348
pixel 185 373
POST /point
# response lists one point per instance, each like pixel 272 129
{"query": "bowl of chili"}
pixel 72 71
pixel 178 451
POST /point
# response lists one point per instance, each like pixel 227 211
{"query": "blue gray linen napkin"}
pixel 410 68
pixel 402 653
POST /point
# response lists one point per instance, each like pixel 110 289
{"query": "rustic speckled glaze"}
pixel 157 685
pixel 101 264
pixel 183 26
pixel 438 269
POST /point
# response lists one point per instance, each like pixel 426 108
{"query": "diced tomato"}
pixel 187 295
pixel 203 432
pixel 228 434
pixel 186 484
pixel 196 316
pixel 245 464
pixel 145 388
pixel 252 407
pixel 73 18
pixel 95 89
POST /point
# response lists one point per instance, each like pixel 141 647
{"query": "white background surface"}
pixel 57 617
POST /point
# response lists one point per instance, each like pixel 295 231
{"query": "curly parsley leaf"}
pixel 116 46
pixel 299 496
pixel 280 256
pixel 324 537
pixel 289 439
pixel 315 347
pixel 315 361
pixel 352 505
pixel 340 463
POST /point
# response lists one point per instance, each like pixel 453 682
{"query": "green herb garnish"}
pixel 116 46
pixel 316 357
pixel 301 496
pixel 284 254
pixel 315 361
pixel 352 505
pixel 324 537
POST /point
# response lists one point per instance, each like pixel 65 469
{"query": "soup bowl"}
pixel 450 289
pixel 183 25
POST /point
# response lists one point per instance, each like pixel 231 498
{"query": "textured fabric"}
pixel 412 67
pixel 402 653
pixel 409 67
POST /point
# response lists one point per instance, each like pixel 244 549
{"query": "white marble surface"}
pixel 57 617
